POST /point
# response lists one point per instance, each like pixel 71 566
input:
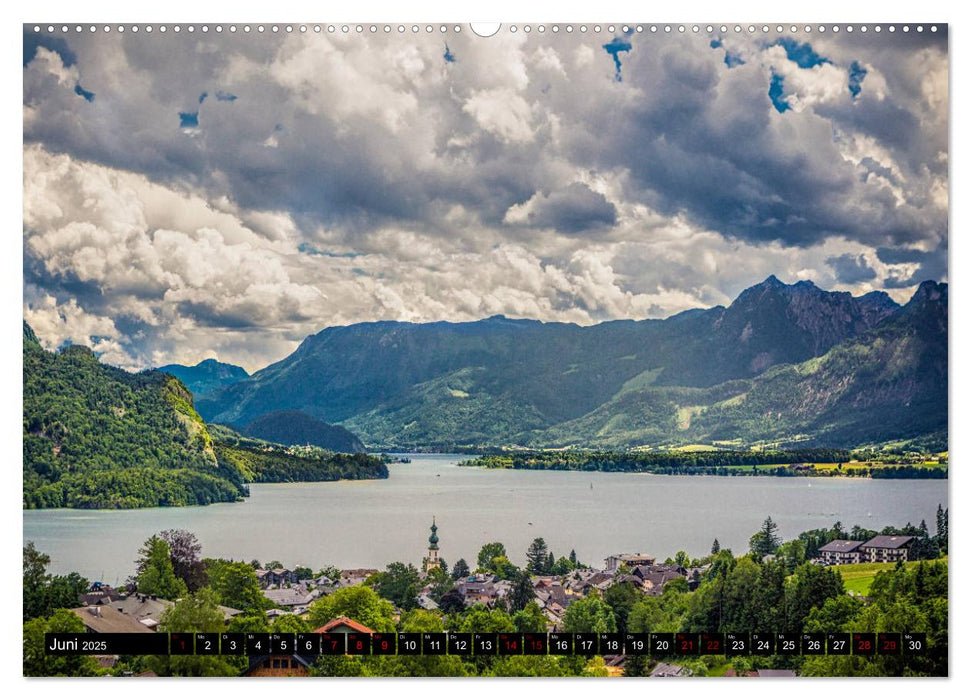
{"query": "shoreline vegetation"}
pixel 817 462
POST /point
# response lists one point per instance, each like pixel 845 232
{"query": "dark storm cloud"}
pixel 574 209
pixel 851 269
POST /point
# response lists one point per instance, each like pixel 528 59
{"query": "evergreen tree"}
pixel 942 529
pixel 765 541
pixel 536 556
pixel 573 558
pixel 715 547
pixel 522 592
pixel 460 570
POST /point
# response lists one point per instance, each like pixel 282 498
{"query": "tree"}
pixel 489 552
pixel 621 597
pixel 65 591
pixel 35 581
pixel 503 568
pixel 590 614
pixel 530 618
pixel 715 547
pixel 522 593
pixel 573 558
pixel 275 564
pixel 562 566
pixel 303 573
pixel 359 603
pixel 480 619
pixel 399 583
pixel 809 587
pixel 635 666
pixel 766 540
pixel 195 612
pixel 682 559
pixel 941 529
pixel 39 663
pixel 184 551
pixel 793 553
pixel 460 570
pixel 236 586
pixel 43 593
pixel 292 624
pixel 440 581
pixel 536 556
pixel 156 574
pixel 550 563
pixel 452 602
pixel 249 623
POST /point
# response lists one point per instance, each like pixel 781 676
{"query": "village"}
pixel 292 593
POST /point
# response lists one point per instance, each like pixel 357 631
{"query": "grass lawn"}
pixel 859 577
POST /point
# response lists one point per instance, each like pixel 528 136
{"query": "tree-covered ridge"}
pixel 297 428
pixel 99 437
pixel 274 466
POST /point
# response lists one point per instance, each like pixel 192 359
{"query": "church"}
pixel 432 561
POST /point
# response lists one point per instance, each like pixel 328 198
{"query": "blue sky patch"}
pixel 715 43
pixel 86 94
pixel 803 55
pixel 448 55
pixel 202 97
pixel 225 96
pixel 857 74
pixel 733 60
pixel 188 120
pixel 614 48
pixel 777 94
pixel 51 43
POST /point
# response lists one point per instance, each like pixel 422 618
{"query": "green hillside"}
pixel 99 437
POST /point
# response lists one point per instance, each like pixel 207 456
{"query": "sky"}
pixel 202 195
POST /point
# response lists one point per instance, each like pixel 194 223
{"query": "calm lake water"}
pixel 372 523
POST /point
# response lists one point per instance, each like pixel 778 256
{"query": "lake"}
pixel 372 523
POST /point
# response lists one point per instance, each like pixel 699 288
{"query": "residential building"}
pixel 887 548
pixel 615 561
pixel 663 670
pixel 102 619
pixel 841 552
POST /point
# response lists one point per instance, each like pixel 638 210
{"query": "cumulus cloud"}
pixel 334 179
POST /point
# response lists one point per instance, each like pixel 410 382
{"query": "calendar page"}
pixel 528 349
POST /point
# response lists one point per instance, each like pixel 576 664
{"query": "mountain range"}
pixel 782 365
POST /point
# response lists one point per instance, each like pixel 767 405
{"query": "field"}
pixel 859 577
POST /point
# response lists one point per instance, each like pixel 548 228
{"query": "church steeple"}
pixel 432 561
